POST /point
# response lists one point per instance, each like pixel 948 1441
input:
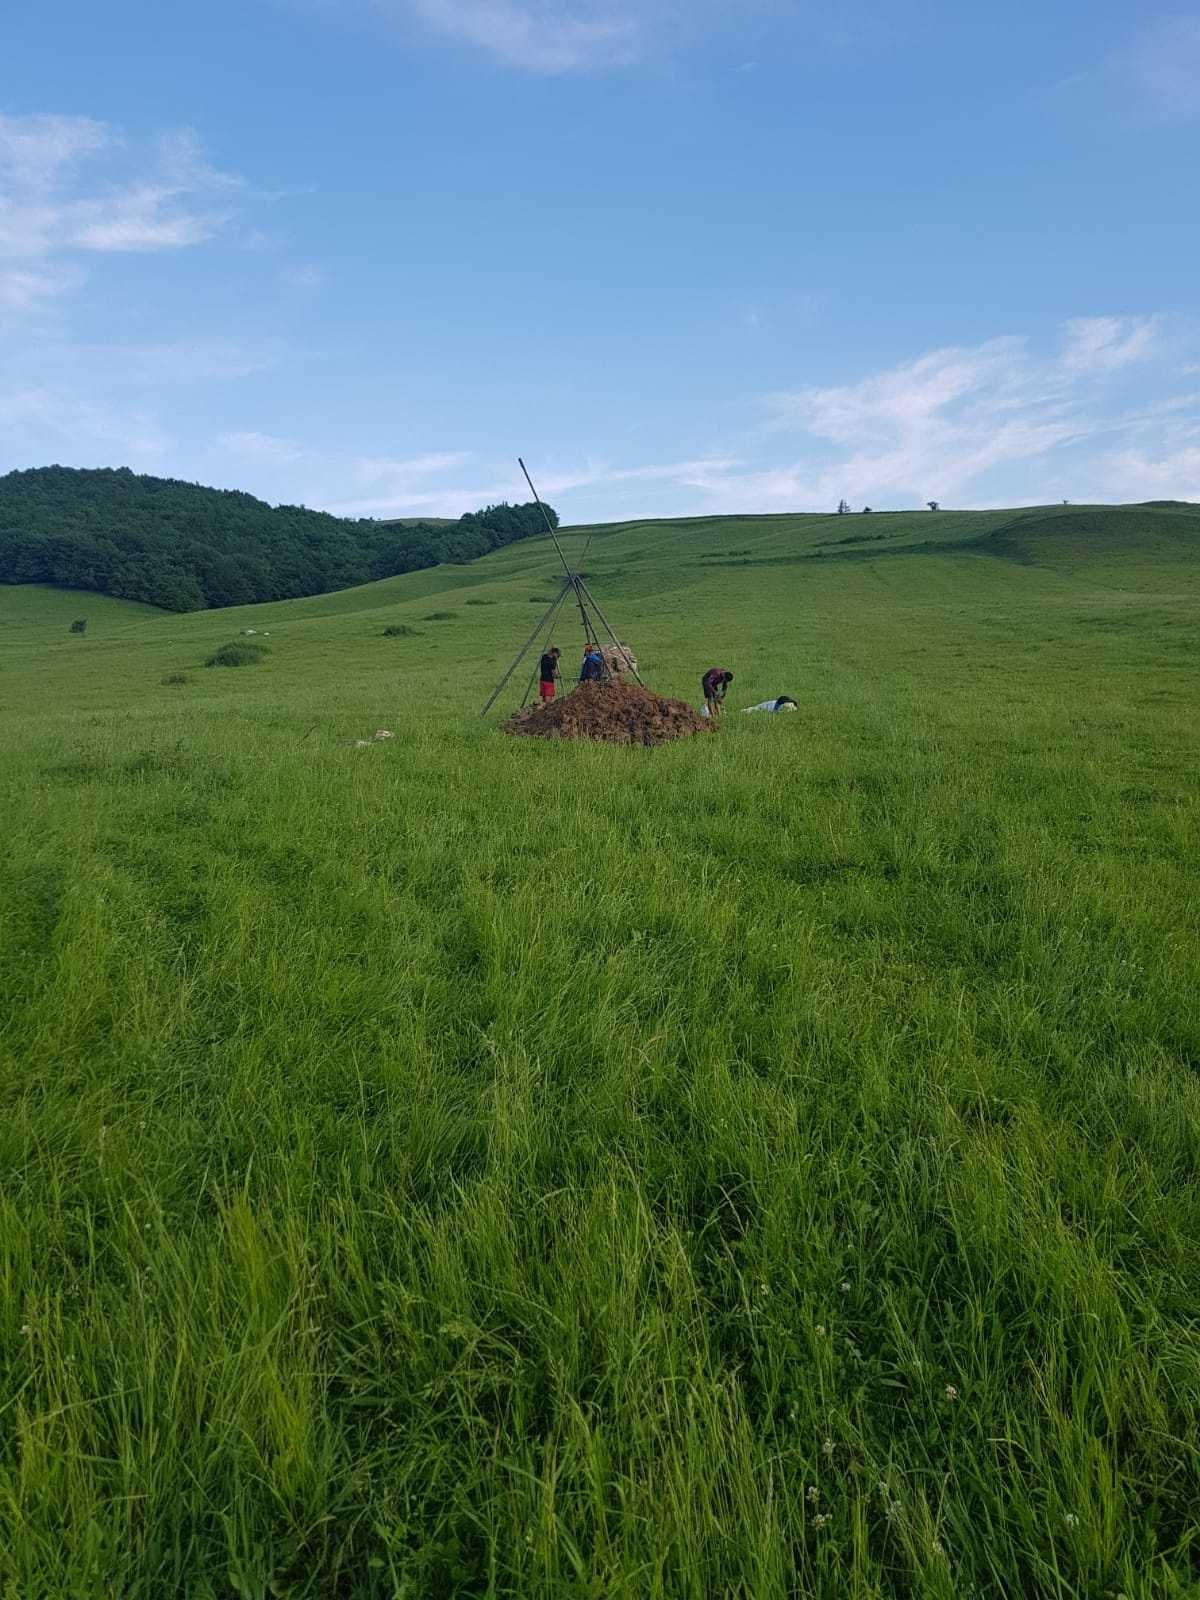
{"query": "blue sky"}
pixel 713 256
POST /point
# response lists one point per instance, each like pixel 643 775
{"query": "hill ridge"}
pixel 186 547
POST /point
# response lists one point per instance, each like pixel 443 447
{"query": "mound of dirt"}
pixel 618 713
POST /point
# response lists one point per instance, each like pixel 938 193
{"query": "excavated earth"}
pixel 618 713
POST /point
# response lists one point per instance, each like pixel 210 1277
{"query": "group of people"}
pixel 549 675
pixel 713 685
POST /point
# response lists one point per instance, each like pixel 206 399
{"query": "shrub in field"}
pixel 481 602
pixel 80 626
pixel 439 616
pixel 400 630
pixel 175 677
pixel 238 654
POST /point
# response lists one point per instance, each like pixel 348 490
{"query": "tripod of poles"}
pixel 573 586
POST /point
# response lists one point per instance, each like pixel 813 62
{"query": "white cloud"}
pixel 27 288
pixel 386 486
pixel 1166 67
pixel 176 361
pixel 540 35
pixel 562 36
pixel 1135 474
pixel 71 187
pixel 938 426
pixel 261 447
pixel 302 275
pixel 412 488
pixel 1106 412
pixel 554 36
pixel 36 421
pixel 1102 344
pixel 381 470
pixel 35 150
pixel 682 474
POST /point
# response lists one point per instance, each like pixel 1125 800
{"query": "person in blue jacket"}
pixel 592 670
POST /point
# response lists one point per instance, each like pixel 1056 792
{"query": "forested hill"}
pixel 187 548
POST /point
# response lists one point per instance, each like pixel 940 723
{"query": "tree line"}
pixel 187 548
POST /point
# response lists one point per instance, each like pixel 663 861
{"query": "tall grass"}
pixel 760 1166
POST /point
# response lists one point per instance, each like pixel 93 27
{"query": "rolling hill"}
pixel 764 1165
pixel 187 548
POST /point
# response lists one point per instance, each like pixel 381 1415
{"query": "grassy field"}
pixel 762 1166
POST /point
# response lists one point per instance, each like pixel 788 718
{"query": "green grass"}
pixel 35 605
pixel 762 1166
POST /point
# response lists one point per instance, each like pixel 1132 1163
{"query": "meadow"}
pixel 760 1166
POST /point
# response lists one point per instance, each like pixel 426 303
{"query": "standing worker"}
pixel 713 686
pixel 593 665
pixel 549 672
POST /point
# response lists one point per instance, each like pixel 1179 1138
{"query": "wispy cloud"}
pixel 214 358
pixel 1137 474
pixel 71 187
pixel 305 276
pixel 565 36
pixel 261 447
pixel 1166 66
pixel 940 425
pixel 385 486
pixel 27 288
pixel 541 35
pixel 36 421
pixel 35 150
pixel 1109 410
pixel 451 482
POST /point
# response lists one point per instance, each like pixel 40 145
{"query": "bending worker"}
pixel 593 665
pixel 548 669
pixel 713 686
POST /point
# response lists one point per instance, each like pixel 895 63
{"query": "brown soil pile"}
pixel 619 713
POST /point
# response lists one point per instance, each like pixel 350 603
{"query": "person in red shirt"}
pixel 713 686
pixel 549 672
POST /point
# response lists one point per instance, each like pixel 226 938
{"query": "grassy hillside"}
pixel 43 606
pixel 761 1166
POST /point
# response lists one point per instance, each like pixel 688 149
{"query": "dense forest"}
pixel 187 548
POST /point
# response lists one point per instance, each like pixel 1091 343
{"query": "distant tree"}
pixel 187 548
pixel 80 626
pixel 933 505
pixel 866 511
pixel 843 508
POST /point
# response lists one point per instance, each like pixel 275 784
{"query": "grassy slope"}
pixel 460 1166
pixel 39 605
